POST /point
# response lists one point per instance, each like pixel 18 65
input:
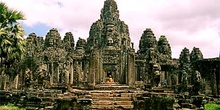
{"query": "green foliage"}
pixel 10 107
pixel 12 43
pixel 211 106
pixel 28 62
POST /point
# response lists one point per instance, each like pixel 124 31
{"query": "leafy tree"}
pixel 12 42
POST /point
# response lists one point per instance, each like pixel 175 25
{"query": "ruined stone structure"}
pixel 58 72
pixel 151 54
pixel 108 52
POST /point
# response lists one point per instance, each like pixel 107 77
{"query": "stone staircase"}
pixel 111 86
pixel 109 100
pixel 112 95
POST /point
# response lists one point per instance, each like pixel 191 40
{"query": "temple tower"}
pixel 109 47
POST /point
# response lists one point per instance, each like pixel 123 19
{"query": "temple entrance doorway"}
pixel 109 74
pixel 110 71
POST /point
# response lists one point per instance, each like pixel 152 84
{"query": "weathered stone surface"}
pixel 80 47
pixel 195 56
pixel 165 49
pixel 106 61
pixel 108 52
pixel 184 59
pixel 110 47
pixel 68 41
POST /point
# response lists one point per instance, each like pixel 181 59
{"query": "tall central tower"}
pixel 109 47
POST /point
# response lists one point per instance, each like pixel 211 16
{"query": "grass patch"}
pixel 10 107
pixel 212 106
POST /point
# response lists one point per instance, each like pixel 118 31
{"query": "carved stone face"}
pixel 67 36
pixel 198 54
pixel 51 42
pixel 52 33
pixel 110 41
pixel 187 56
pixel 151 41
pixel 165 47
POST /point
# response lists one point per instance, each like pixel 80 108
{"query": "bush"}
pixel 10 107
pixel 212 106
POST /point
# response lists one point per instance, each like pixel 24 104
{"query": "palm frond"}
pixel 3 7
pixel 2 32
pixel 5 42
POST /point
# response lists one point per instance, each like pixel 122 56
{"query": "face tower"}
pixel 110 48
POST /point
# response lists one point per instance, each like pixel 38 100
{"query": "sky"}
pixel 185 23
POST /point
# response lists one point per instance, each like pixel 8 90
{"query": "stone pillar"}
pixel 162 78
pixel 213 82
pixel 100 68
pixel 131 69
pixel 96 69
pixel 96 66
pixel 16 81
pixel 80 72
pixel 92 63
pixel 67 72
pixel 5 81
pixel 52 73
pixel 167 77
pixel 67 77
pixel 86 71
pixel 58 73
pixel 71 73
pixel 124 72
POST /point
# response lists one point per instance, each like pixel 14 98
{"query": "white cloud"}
pixel 186 23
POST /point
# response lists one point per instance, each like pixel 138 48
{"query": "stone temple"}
pixel 108 51
pixel 107 60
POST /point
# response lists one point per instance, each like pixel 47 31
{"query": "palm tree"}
pixel 12 42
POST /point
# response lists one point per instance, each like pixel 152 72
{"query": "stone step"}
pixel 113 98
pixel 111 94
pixel 106 107
pixel 123 102
pixel 108 91
pixel 102 102
pixel 126 94
pixel 122 98
pixel 102 98
pixel 124 106
pixel 109 84
pixel 102 107
pixel 112 87
pixel 108 102
pixel 101 95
